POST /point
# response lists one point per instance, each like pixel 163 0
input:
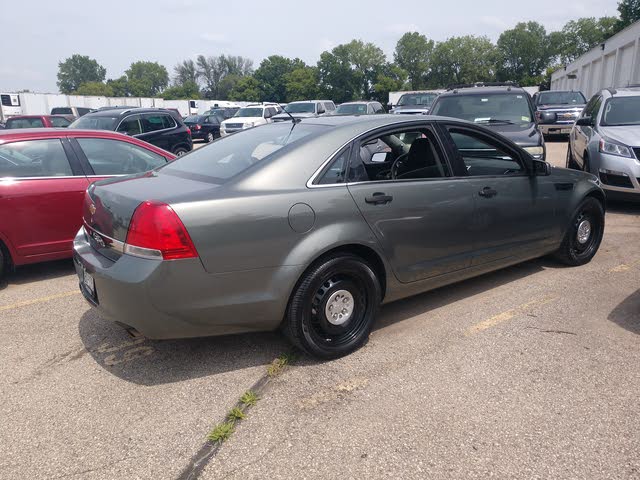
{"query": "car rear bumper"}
pixel 179 299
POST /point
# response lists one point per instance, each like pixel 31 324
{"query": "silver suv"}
pixel 605 141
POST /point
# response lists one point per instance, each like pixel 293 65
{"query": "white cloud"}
pixel 218 38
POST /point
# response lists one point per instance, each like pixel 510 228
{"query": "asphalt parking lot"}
pixel 529 372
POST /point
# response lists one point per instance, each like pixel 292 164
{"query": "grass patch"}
pixel 249 398
pixel 236 414
pixel 279 364
pixel 221 432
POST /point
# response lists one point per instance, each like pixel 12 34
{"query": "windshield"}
pixel 417 99
pixel 193 119
pixel 95 122
pixel 61 111
pixel 489 108
pixel 232 155
pixel 621 111
pixel 306 107
pixel 561 98
pixel 352 109
pixel 249 112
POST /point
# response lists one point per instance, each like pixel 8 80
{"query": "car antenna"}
pixel 293 119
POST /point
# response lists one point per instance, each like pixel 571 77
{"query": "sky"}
pixel 39 34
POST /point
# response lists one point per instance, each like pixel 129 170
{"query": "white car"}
pixel 248 117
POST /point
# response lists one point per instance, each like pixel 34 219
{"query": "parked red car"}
pixel 43 176
pixel 39 121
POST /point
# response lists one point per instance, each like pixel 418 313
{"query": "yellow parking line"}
pixel 26 303
pixel 507 315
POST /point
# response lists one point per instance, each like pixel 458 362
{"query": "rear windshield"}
pixel 24 123
pixel 560 98
pixel 621 111
pixel 193 119
pixel 417 99
pixel 300 107
pixel 61 111
pixel 232 155
pixel 249 112
pixel 95 122
pixel 352 109
pixel 490 108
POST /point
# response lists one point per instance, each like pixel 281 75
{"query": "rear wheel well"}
pixel 6 259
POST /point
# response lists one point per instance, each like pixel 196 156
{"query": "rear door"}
pixel 514 212
pixel 41 191
pixel 421 215
pixel 158 129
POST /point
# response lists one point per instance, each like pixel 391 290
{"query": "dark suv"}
pixel 505 108
pixel 157 126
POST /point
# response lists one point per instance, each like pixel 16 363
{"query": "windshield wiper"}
pixel 293 119
pixel 496 120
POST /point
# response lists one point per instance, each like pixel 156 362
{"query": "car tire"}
pixel 584 234
pixel 571 163
pixel 333 307
pixel 210 137
pixel 178 152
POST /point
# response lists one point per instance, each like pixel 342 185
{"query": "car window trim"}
pixel 456 155
pixel 345 167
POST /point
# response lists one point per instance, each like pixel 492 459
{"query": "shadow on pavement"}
pixel 623 208
pixel 155 362
pixel 627 313
pixel 38 271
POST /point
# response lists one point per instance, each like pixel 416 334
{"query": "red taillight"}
pixel 188 130
pixel 155 226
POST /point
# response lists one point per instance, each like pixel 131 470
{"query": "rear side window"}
pixel 336 171
pixel 59 122
pixel 151 123
pixel 24 123
pixel 130 125
pixel 34 158
pixel 113 157
pixel 83 111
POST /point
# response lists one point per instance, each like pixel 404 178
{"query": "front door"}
pixel 403 186
pixel 514 211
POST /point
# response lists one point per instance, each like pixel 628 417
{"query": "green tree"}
pixel 271 74
pixel 99 89
pixel 226 85
pixel 524 53
pixel 465 59
pixel 337 79
pixel 366 59
pixel 301 84
pixel 119 86
pixel 186 91
pixel 238 65
pixel 629 13
pixel 213 69
pixel 247 89
pixel 413 54
pixel 146 79
pixel 185 72
pixel 79 69
pixel 579 36
pixel 391 78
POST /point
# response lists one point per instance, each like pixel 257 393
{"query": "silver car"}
pixel 308 226
pixel 605 141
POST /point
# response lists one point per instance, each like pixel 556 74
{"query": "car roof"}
pixel 483 90
pixel 374 121
pixel 624 91
pixel 122 110
pixel 55 115
pixel 355 102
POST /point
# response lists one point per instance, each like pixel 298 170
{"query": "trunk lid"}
pixel 110 204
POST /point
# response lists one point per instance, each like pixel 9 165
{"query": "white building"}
pixel 614 63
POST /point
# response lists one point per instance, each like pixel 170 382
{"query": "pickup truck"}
pixel 566 105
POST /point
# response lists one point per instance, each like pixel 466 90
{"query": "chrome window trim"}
pixel 114 244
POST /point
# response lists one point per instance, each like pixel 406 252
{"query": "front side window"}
pixel 401 155
pixel 620 111
pixel 34 158
pixel 24 123
pixel 483 156
pixel 113 157
pixel 130 125
pixel 496 108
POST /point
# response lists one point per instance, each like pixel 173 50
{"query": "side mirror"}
pixel 379 157
pixel 584 122
pixel 389 106
pixel 548 117
pixel 541 168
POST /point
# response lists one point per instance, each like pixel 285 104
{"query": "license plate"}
pixel 87 281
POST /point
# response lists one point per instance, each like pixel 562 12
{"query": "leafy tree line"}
pixel 526 54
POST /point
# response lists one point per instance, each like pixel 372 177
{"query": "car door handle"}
pixel 378 198
pixel 487 192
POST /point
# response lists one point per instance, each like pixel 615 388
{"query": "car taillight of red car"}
pixel 156 232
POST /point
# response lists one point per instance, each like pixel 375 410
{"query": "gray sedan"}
pixel 310 226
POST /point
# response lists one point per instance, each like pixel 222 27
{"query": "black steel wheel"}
pixel 333 307
pixel 584 235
